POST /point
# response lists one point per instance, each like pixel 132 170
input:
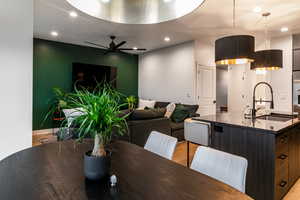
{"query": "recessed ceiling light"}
pixel 284 29
pixel 54 33
pixel 257 9
pixel 167 39
pixel 134 48
pixel 105 1
pixel 167 1
pixel 73 14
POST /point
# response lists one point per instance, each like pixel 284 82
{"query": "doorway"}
pixel 206 90
pixel 222 88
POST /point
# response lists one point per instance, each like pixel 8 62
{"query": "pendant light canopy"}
pixel 238 49
pixel 269 59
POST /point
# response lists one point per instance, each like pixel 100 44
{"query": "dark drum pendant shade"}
pixel 238 49
pixel 267 60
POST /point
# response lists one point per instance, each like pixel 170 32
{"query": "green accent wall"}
pixel 52 67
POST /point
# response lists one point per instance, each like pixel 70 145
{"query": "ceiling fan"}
pixel 113 47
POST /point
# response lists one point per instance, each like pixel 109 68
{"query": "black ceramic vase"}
pixel 96 168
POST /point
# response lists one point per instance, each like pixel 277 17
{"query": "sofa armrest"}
pixel 139 130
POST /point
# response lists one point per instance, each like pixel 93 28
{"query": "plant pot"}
pixel 96 168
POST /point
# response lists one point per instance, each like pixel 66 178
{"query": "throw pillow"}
pixel 192 109
pixel 170 109
pixel 161 104
pixel 145 103
pixel 180 114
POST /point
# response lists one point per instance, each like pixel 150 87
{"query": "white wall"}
pixel 205 52
pixel 238 95
pixel 242 80
pixel 281 80
pixel 241 85
pixel 16 19
pixel 168 74
pixel 162 77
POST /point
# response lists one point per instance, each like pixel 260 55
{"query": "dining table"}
pixel 55 171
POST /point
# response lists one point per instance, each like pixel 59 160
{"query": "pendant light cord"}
pixel 266 32
pixel 234 5
pixel 265 16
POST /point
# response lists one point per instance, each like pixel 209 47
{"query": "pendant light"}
pixel 236 49
pixel 268 59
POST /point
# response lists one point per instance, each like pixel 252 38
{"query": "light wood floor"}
pixel 43 138
pixel 179 157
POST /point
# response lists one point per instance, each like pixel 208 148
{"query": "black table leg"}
pixel 188 154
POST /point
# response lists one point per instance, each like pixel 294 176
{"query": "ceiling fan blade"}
pixel 132 49
pixel 120 44
pixel 126 49
pixel 98 45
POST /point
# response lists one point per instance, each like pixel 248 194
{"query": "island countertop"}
pixel 238 119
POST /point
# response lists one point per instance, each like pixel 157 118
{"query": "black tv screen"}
pixel 88 76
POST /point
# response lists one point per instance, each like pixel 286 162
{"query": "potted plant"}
pixel 131 101
pixel 57 104
pixel 101 119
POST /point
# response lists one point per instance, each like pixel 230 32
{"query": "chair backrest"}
pixel 197 132
pixel 71 114
pixel 161 144
pixel 225 167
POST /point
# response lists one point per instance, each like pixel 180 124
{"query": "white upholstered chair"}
pixel 196 132
pixel 161 144
pixel 225 167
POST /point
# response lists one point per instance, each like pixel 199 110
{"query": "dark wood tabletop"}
pixel 55 172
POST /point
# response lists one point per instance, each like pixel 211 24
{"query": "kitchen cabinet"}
pixel 296 59
pixel 271 147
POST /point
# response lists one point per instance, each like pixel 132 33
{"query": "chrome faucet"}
pixel 268 101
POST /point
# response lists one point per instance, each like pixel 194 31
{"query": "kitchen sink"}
pixel 276 117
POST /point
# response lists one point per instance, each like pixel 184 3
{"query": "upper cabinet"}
pixel 296 59
pixel 296 41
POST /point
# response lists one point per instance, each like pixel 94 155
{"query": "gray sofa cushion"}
pixel 148 114
pixel 176 126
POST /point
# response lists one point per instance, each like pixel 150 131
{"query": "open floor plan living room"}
pixel 150 99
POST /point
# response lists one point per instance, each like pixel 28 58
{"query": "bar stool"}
pixel 196 132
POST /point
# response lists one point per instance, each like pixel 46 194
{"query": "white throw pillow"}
pixel 145 103
pixel 170 109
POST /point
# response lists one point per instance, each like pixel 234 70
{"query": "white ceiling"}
pixel 213 19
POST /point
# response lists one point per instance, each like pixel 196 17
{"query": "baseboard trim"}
pixel 45 131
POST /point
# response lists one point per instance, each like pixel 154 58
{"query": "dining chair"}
pixel 195 132
pixel 161 144
pixel 225 167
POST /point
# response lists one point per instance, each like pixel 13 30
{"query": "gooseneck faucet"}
pixel 268 101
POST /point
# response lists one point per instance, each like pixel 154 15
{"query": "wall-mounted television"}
pixel 88 76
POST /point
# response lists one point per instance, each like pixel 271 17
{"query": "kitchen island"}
pixel 271 144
